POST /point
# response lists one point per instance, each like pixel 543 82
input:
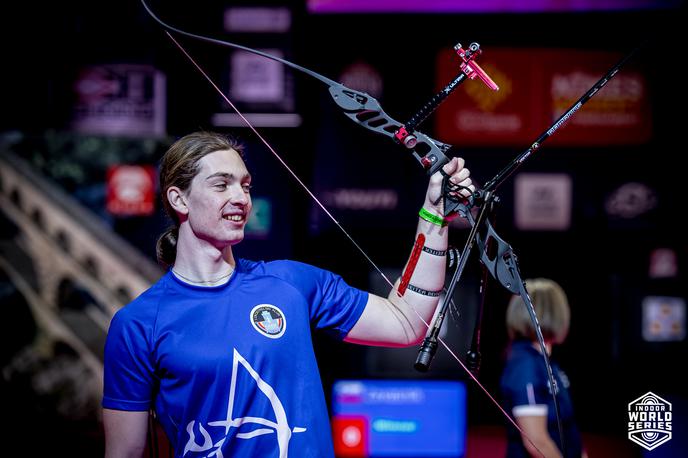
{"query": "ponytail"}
pixel 166 248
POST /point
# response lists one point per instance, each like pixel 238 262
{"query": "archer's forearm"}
pixel 418 291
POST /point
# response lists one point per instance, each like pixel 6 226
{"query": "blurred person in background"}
pixel 525 384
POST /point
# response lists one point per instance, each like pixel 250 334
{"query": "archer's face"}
pixel 219 199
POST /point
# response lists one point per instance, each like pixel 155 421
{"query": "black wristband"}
pixel 435 252
pixel 424 292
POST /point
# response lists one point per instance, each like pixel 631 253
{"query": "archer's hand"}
pixel 459 175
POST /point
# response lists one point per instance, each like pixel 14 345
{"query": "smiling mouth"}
pixel 234 218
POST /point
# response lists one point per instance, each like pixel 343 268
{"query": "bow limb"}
pixel 503 266
pixel 215 41
pixel 358 106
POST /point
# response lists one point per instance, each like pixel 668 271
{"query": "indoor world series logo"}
pixel 649 421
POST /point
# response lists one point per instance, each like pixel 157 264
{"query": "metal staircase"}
pixel 72 269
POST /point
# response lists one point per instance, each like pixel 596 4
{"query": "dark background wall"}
pixel 601 262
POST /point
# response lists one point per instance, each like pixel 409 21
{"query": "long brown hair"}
pixel 178 167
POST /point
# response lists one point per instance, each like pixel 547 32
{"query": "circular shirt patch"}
pixel 268 320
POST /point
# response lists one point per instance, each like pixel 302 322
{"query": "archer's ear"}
pixel 177 200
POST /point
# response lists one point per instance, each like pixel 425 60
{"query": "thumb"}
pixel 453 166
pixel 450 168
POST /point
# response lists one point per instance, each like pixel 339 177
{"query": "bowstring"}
pixel 344 231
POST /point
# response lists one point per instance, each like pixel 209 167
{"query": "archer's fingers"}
pixel 455 165
pixel 454 169
pixel 468 188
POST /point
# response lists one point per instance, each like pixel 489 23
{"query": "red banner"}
pixel 131 190
pixel 536 87
pixel 350 436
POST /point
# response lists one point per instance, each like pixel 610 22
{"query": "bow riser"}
pixel 367 112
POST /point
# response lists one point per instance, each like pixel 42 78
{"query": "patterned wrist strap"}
pixel 422 291
pixel 431 217
pixel 434 251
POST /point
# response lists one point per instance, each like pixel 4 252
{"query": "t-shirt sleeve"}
pixel 526 390
pixel 334 306
pixel 128 373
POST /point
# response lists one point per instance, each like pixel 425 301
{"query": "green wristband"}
pixel 432 218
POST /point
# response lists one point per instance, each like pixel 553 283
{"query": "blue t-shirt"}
pixel 230 370
pixel 526 391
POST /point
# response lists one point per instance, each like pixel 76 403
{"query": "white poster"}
pixel 256 79
pixel 664 319
pixel 120 99
pixel 543 201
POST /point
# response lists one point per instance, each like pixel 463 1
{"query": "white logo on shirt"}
pixel 269 320
pixel 280 427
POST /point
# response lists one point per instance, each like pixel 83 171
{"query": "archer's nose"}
pixel 239 196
